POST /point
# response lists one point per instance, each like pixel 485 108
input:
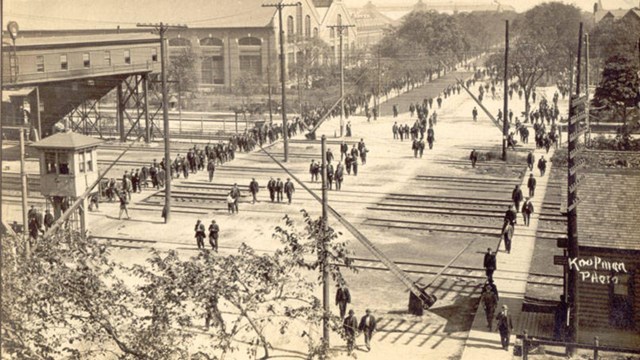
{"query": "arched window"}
pixel 315 32
pixel 307 26
pixel 249 41
pixel 339 19
pixel 290 29
pixel 179 42
pixel 211 41
pixel 250 55
pixel 212 61
pixel 332 33
pixel 299 19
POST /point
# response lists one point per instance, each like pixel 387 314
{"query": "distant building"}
pixel 371 24
pixel 601 15
pixel 228 40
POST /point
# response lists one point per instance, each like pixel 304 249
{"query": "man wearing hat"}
pixel 505 325
pixel 527 210
pixel 350 326
pixel 367 326
pixel 289 189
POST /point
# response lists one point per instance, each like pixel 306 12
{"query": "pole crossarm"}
pixel 162 28
pixel 285 126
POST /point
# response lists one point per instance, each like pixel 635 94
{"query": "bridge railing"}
pixel 34 77
pixel 530 343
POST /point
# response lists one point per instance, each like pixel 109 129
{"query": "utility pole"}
pixel 573 200
pixel 325 262
pixel 377 105
pixel 269 77
pixel 505 111
pixel 25 193
pixel 285 127
pixel 341 29
pixel 587 134
pixel 162 29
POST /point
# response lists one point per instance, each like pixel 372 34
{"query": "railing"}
pixel 529 343
pixel 23 78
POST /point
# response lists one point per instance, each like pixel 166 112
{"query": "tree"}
pixel 544 41
pixel 618 88
pixel 181 73
pixel 70 299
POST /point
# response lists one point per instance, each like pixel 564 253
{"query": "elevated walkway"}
pixel 481 343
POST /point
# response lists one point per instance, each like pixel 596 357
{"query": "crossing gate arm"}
pixel 311 132
pixel 495 121
pixel 427 299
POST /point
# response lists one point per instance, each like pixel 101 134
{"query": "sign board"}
pixel 575 118
pixel 578 182
pixel 579 165
pixel 559 260
pixel 575 203
pixel 573 153
pixel 562 242
pixel 576 134
pixel 579 101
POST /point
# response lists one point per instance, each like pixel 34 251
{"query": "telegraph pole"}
pixel 505 111
pixel 25 194
pixel 162 29
pixel 285 134
pixel 587 135
pixel 325 262
pixel 341 29
pixel 575 115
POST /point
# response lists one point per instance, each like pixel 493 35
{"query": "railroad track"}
pixel 464 272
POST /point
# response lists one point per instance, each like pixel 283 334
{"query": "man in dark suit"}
pixel 542 165
pixel 350 326
pixel 505 325
pixel 489 302
pixel 279 188
pixel 344 148
pixel 473 157
pixel 489 263
pixel 531 159
pixel 531 184
pixel 368 327
pixel 339 175
pixel 271 186
pixel 330 176
pixel 516 196
pixel 527 210
pixel 343 297
pixel 254 187
pixel 430 137
pixel 289 189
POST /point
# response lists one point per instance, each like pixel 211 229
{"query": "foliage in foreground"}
pixel 69 299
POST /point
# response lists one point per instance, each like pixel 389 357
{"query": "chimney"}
pixel 595 8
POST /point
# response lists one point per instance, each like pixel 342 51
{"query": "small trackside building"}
pixel 609 258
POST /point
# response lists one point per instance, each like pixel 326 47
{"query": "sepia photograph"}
pixel 320 179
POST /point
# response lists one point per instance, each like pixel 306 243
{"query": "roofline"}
pixel 62 147
pixel 7 47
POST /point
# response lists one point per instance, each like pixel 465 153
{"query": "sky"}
pixel 84 14
pixel 519 5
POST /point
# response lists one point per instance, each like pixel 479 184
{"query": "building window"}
pixel 212 70
pixel 339 20
pixel 127 56
pixel 307 26
pixel 81 162
pixel 621 301
pixel 154 55
pixel 107 58
pixel 89 161
pixel 332 33
pixel 63 164
pixel 86 60
pixel 290 29
pixel 40 63
pixel 299 19
pixel 64 65
pixel 50 162
pixel 179 41
pixel 251 64
pixel 315 32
